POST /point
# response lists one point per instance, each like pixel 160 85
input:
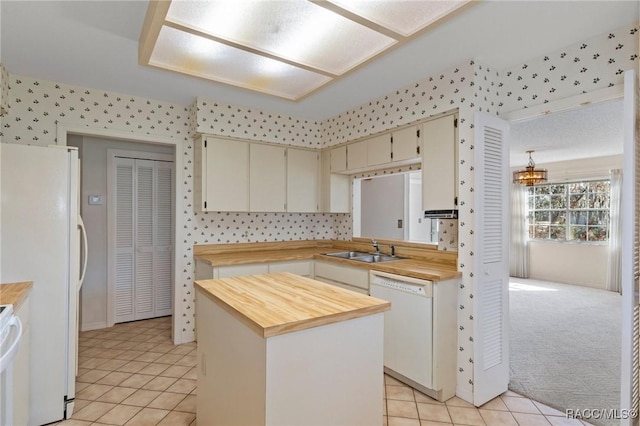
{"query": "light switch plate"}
pixel 95 200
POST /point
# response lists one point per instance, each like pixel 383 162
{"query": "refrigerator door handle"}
pixel 85 251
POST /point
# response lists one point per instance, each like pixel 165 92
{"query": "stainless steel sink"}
pixel 363 256
pixel 347 254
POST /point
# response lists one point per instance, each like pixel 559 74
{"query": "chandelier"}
pixel 530 175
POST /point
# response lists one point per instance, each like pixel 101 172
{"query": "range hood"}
pixel 441 214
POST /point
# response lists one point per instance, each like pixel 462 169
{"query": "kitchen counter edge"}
pixel 14 293
pixel 273 318
pixel 409 267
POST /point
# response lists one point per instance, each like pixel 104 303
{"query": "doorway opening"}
pixel 97 303
pixel 390 207
pixel 559 302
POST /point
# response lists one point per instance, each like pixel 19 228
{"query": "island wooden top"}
pixel 14 293
pixel 275 304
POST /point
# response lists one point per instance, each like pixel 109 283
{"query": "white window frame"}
pixel 568 211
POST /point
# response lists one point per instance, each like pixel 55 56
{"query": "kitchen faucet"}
pixel 375 245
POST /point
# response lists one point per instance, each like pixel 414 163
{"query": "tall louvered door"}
pixel 491 252
pixel 144 268
pixel 630 199
pixel 123 259
pixel 143 264
pixel 163 244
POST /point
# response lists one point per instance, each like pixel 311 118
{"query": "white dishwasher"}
pixel 419 332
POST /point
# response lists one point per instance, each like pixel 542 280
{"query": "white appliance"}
pixel 41 234
pixel 10 337
pixel 419 332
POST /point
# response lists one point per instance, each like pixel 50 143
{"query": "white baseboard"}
pixel 93 326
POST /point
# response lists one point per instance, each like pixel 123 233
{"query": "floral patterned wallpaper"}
pixel 594 64
pixel 221 119
pixel 4 88
pixel 36 106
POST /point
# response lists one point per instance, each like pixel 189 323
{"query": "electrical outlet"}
pixel 399 223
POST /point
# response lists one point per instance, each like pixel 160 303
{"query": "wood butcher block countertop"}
pixel 275 304
pixel 414 268
pixel 419 262
pixel 14 293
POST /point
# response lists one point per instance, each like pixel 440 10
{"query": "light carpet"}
pixel 565 345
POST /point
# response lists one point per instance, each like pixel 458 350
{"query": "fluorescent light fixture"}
pixel 285 48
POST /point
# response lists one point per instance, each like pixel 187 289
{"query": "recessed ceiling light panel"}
pixel 188 53
pixel 404 17
pixel 295 30
pixel 286 48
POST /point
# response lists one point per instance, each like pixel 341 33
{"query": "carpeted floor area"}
pixel 565 345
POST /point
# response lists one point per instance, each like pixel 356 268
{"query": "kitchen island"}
pixel 281 349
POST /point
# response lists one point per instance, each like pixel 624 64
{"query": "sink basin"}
pixel 375 258
pixel 361 256
pixel 347 254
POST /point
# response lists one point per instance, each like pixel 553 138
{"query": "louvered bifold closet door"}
pixel 124 245
pixel 163 247
pixel 144 240
pixel 491 266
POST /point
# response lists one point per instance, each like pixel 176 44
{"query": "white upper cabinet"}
pixel 267 178
pixel 222 174
pixel 335 189
pixel 379 150
pixel 303 174
pixel 241 176
pixel 439 164
pixel 338 159
pixel 406 144
pixel 385 150
pixel 357 155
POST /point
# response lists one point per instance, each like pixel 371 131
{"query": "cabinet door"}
pixel 350 275
pixel 302 180
pixel 338 159
pixel 227 175
pixel 379 150
pixel 335 194
pixel 241 270
pixel 357 155
pixel 406 143
pixel 299 267
pixel 267 178
pixel 439 168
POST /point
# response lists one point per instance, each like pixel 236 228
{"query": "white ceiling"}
pixel 591 131
pixel 95 44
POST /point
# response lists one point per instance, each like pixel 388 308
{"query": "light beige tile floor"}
pixel 132 374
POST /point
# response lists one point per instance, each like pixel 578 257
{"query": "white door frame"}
pixel 64 129
pixel 572 103
pixel 629 363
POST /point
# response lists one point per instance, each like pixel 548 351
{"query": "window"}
pixel 574 211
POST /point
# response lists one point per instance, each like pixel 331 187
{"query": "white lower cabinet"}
pixel 21 374
pixel 349 277
pixel 205 271
pixel 238 270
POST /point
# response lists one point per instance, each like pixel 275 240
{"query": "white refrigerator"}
pixel 41 234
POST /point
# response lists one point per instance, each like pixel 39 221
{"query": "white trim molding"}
pixel 565 104
pixel 64 129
